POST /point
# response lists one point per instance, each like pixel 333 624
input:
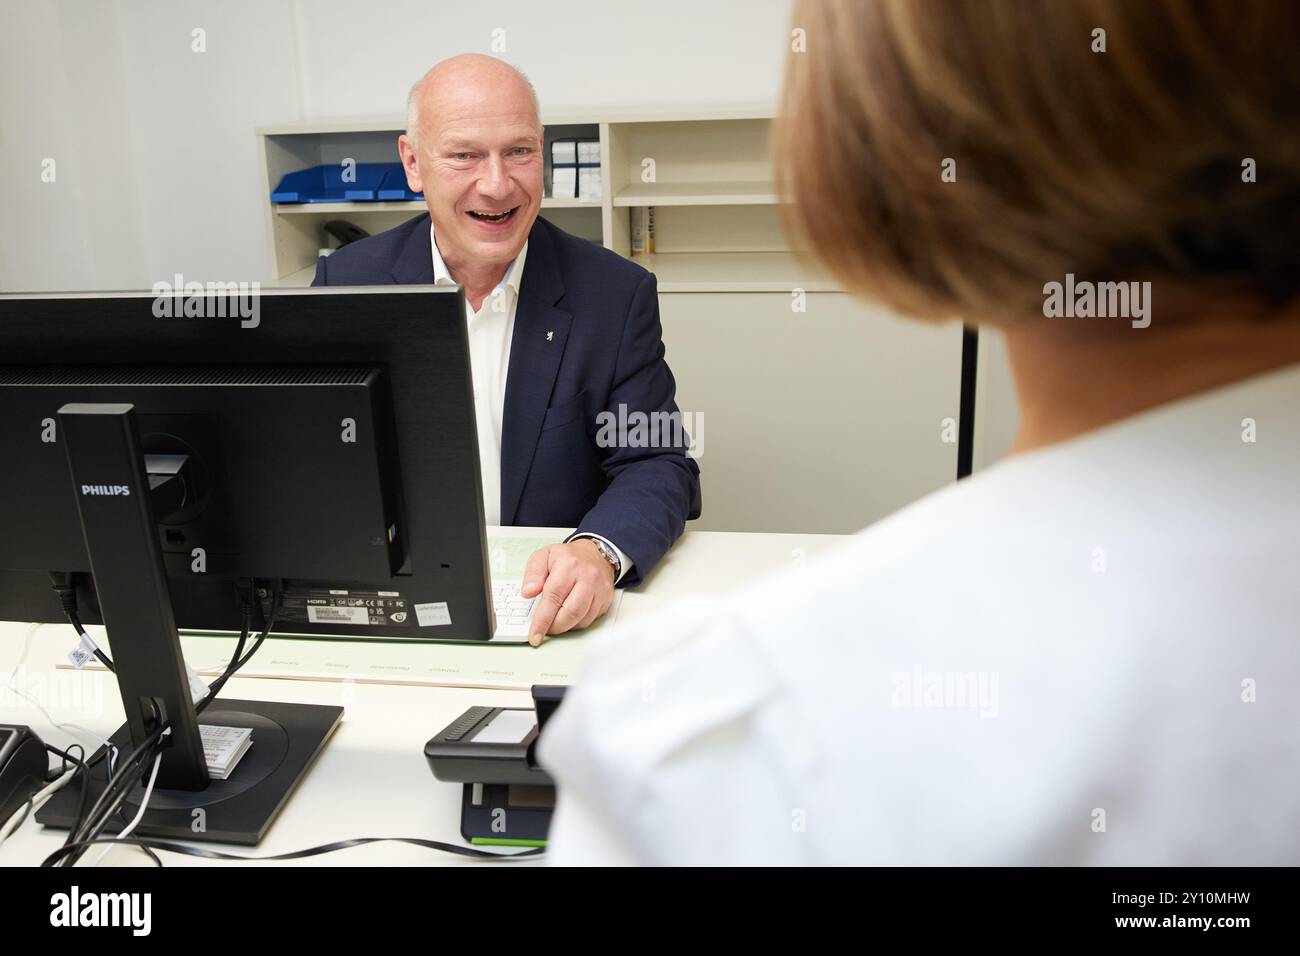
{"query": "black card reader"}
pixel 508 797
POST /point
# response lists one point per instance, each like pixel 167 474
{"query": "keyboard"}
pixel 514 612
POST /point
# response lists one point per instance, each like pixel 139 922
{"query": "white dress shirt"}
pixel 491 331
pixel 1087 654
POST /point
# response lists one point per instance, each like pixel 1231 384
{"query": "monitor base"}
pixel 286 740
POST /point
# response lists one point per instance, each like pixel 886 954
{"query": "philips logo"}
pixel 110 490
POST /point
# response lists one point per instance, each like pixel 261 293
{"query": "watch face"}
pixel 608 554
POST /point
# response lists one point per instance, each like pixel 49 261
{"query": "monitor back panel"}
pixel 275 455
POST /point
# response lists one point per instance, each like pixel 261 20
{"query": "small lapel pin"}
pixel 550 336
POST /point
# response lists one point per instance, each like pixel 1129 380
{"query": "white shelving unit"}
pixel 696 194
pixel 709 180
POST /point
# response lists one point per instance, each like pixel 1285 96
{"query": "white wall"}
pixel 599 53
pixel 64 100
pixel 997 411
pixel 157 166
pixel 823 421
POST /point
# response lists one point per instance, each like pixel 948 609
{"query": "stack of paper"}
pixel 224 747
pixel 564 169
pixel 589 182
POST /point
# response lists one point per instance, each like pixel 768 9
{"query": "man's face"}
pixel 479 164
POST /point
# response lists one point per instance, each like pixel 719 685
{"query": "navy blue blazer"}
pixel 607 350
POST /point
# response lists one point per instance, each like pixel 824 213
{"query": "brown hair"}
pixel 1116 166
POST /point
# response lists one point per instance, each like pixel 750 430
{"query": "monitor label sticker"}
pixel 344 606
pixel 433 614
pixel 337 615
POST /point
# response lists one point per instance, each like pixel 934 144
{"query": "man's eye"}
pixel 520 151
pixel 460 157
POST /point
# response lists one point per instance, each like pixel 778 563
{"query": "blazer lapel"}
pixel 540 334
pixel 414 264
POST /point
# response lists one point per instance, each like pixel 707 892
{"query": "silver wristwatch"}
pixel 608 554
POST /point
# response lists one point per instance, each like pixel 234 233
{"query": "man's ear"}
pixel 410 163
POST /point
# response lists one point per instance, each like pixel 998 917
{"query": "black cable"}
pixel 270 610
pixel 84 770
pixel 244 588
pixel 57 772
pixel 237 662
pixel 66 589
pixel 114 793
pixel 120 781
pixel 215 687
pixel 75 621
pixel 95 831
pixel 245 628
pixel 116 811
pixel 169 847
pixel 153 856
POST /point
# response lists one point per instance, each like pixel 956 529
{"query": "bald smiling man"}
pixel 560 331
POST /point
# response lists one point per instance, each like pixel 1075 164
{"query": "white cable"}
pixel 38 801
pixel 27 644
pixel 144 803
pixel 66 727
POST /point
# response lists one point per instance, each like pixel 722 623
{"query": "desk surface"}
pixel 372 778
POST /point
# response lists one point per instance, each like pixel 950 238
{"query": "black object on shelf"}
pixel 345 232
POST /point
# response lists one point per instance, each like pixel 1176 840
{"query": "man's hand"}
pixel 576 585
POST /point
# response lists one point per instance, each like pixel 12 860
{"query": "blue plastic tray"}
pixel 394 187
pixel 325 184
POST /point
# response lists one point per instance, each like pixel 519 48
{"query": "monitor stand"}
pixel 286 740
pixel 115 501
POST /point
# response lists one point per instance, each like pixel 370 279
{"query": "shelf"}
pixel 397 124
pixel 412 206
pixel 323 208
pixel 551 203
pixel 734 272
pixel 720 195
pixel 697 194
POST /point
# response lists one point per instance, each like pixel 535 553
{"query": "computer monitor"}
pixel 285 492
pixel 169 458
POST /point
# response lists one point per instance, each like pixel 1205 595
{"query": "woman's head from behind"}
pixel 952 158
